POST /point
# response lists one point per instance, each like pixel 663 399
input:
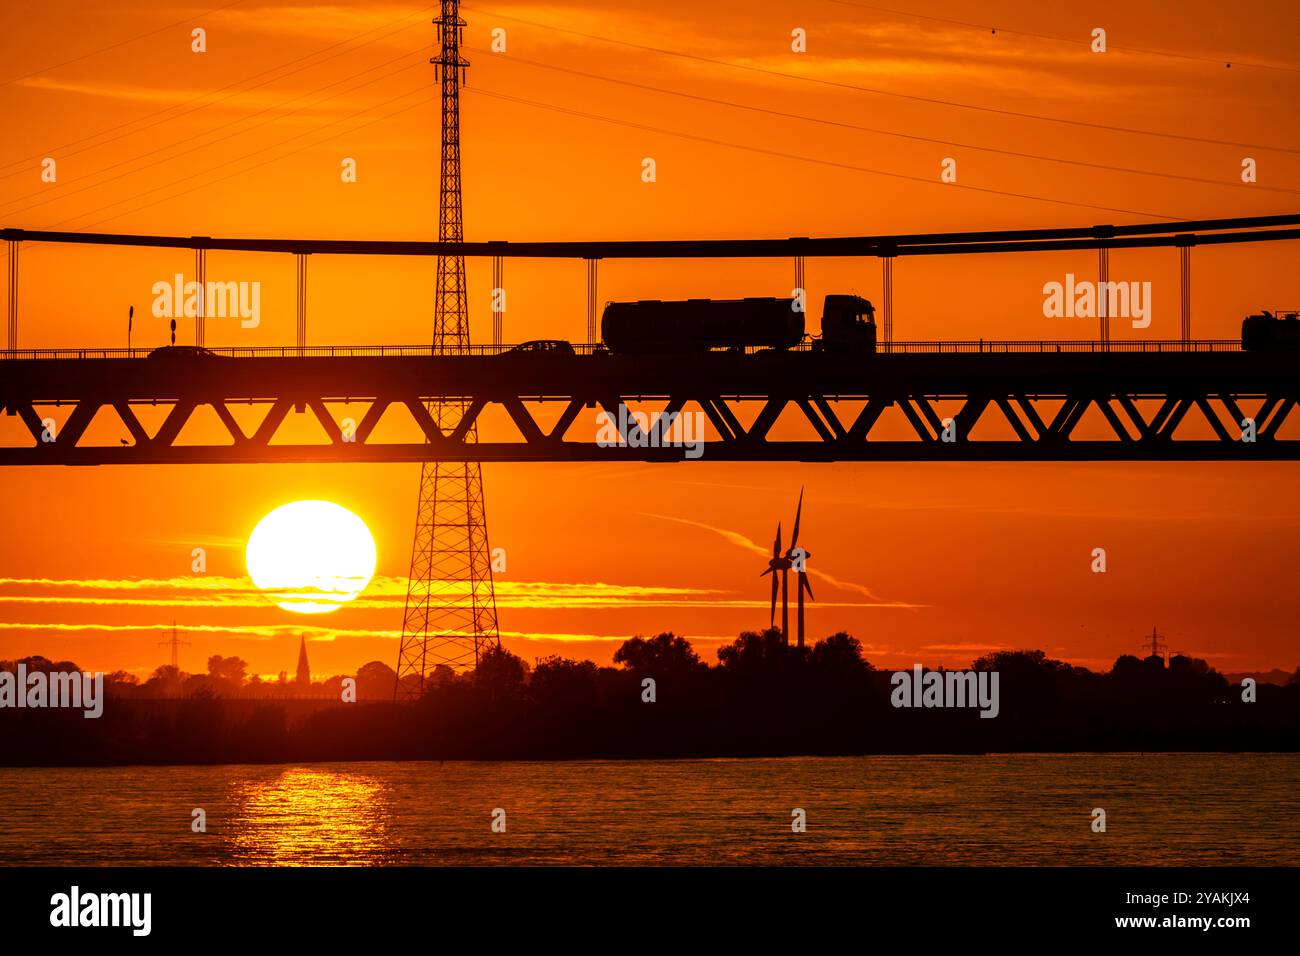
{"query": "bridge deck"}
pixel 1041 395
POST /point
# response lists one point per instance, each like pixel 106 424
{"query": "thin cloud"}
pixel 738 539
pixel 383 593
pixel 975 646
pixel 239 101
pixel 612 601
pixel 315 634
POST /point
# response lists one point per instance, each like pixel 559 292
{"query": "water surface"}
pixel 1026 809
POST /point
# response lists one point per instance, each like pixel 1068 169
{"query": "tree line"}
pixel 762 698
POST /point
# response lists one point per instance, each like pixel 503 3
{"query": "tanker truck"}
pixel 654 327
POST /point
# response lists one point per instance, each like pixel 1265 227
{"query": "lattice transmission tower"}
pixel 451 615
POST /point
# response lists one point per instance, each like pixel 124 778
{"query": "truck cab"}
pixel 848 324
pixel 1271 331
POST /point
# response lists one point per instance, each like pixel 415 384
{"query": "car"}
pixel 182 352
pixel 547 346
pixel 1271 331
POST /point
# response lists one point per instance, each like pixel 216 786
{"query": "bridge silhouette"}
pixel 1183 399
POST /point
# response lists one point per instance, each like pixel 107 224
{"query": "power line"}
pixel 994 28
pixel 599 118
pixel 114 46
pixel 680 134
pixel 185 112
pixel 420 89
pixel 805 159
pixel 190 145
pixel 536 104
pixel 883 132
pixel 879 92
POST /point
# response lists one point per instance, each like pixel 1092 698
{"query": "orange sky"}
pixel 927 561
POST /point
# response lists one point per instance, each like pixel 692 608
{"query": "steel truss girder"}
pixel 1038 400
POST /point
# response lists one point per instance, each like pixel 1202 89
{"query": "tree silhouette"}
pixel 375 681
pixel 230 669
pixel 840 653
pixel 499 672
pixel 757 652
pixel 662 654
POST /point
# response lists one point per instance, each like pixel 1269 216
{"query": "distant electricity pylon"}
pixel 175 644
pixel 451 614
pixel 1157 647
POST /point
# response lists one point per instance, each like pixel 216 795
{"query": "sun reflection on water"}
pixel 307 816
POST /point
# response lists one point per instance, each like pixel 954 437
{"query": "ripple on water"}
pixel 1026 809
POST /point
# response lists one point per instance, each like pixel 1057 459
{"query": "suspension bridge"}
pixel 1182 399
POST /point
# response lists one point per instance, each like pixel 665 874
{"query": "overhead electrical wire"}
pixel 993 28
pixel 62 150
pixel 662 131
pixel 883 132
pixel 1084 124
pixel 190 145
pixel 474 90
pixel 120 43
pixel 424 88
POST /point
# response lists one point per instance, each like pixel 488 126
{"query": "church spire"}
pixel 304 672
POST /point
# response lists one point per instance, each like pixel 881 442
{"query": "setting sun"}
pixel 311 556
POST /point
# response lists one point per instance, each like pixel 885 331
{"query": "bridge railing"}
pixel 973 346
pixel 1112 345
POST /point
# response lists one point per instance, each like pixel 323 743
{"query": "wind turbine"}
pixel 797 558
pixel 779 562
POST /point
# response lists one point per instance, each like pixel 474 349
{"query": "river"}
pixel 1025 809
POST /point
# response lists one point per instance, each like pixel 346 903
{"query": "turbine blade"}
pixel 794 538
pixel 771 618
pixel 803 583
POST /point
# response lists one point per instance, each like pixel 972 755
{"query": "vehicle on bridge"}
pixel 701 325
pixel 1267 332
pixel 848 325
pixel 545 346
pixel 171 352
